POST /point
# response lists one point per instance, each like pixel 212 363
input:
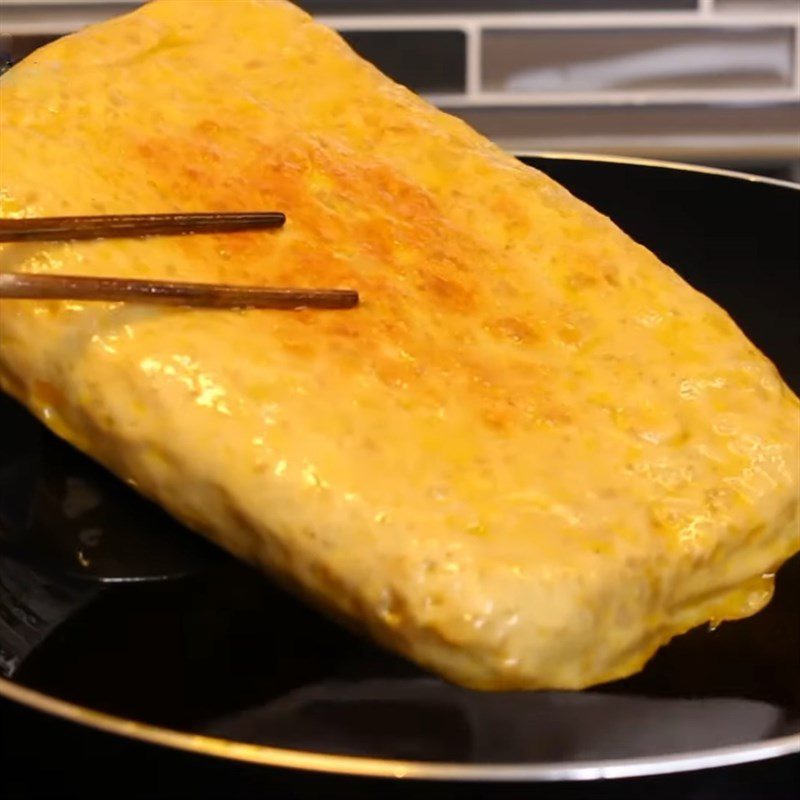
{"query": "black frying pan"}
pixel 223 653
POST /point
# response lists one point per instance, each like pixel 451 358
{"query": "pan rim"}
pixel 364 766
pixel 556 155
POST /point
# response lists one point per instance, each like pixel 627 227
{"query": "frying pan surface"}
pixel 223 663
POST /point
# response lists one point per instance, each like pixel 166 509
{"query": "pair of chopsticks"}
pixel 18 285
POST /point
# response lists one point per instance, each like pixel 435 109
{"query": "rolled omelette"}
pixel 531 456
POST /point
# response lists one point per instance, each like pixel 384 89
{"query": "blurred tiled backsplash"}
pixel 637 59
pixel 716 81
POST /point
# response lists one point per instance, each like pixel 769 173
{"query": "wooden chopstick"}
pixel 17 285
pixel 204 295
pixel 115 226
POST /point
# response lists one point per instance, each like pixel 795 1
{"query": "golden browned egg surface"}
pixel 528 459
